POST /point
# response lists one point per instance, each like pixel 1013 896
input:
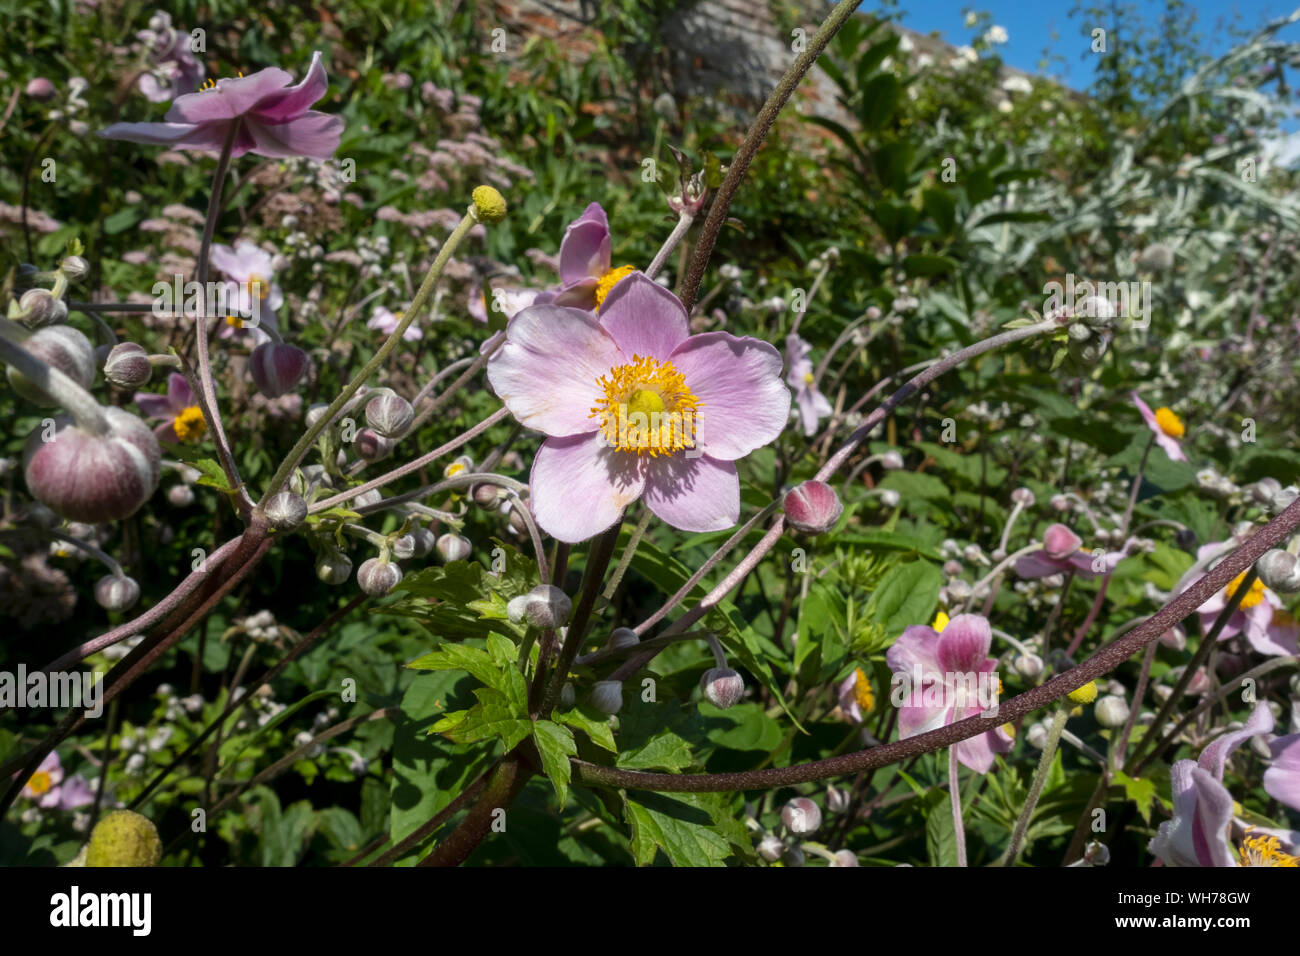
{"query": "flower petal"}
pixel 284 105
pixel 644 318
pixel 1216 753
pixel 210 136
pixel 916 649
pixel 744 403
pixel 964 644
pixel 693 494
pixel 1282 778
pixel 547 372
pixel 580 486
pixel 231 98
pixel 314 135
pixel 585 249
pixel 179 394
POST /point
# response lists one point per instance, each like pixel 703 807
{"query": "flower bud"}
pixel 1029 666
pixel 61 347
pixel 276 368
pixel 568 697
pixel 622 637
pixel 1096 853
pixel 286 511
pixel 723 687
pixel 116 592
pixel 182 495
pixel 124 838
pixel 794 856
pixel 453 547
pixel 416 543
pixel 94 478
pixel 1023 497
pixel 1279 570
pixel 1111 711
pixel 516 607
pixel 486 496
pixel 607 696
pixel 40 307
pixel 489 204
pixel 1156 257
pixel 333 567
pixel 801 816
pixel 812 507
pixel 40 89
pixel 547 607
pixel 74 268
pixel 1037 736
pixel 1060 503
pixel 771 848
pixel 127 366
pixel 372 446
pixel 1282 500
pixel 389 414
pixel 368 498
pixel 891 460
pixel 315 413
pixel 959 590
pixel 844 858
pixel 889 497
pixel 837 799
pixel 377 578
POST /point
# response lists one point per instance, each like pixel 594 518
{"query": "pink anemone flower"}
pixel 1062 552
pixel 48 788
pixel 251 272
pixel 811 403
pixel 1198 833
pixel 1261 616
pixel 632 404
pixel 386 322
pixel 943 672
pixel 509 302
pixel 271 118
pixel 585 272
pixel 1167 426
pixel 176 71
pixel 183 419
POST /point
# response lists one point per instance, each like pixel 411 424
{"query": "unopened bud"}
pixel 1279 570
pixel 723 687
pixel 116 592
pixel 568 696
pixel 844 858
pixel 812 507
pixel 489 204
pixel 334 567
pixel 547 607
pixel 372 446
pixel 453 547
pixel 1023 497
pixel 607 696
pixel 377 578
pixel 837 799
pixel 285 511
pixel 128 366
pixel 1037 736
pixel 771 848
pixel 891 460
pixel 416 543
pixel 61 347
pixel 890 498
pixel 39 307
pixel 801 816
pixel 75 268
pixel 389 414
pixel 1029 666
pixel 794 856
pixel 181 496
pixel 124 838
pixel 1111 711
pixel 277 368
pixel 622 637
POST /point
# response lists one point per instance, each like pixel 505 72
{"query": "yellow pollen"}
pixel 610 279
pixel 1170 423
pixel 940 622
pixel 1085 694
pixel 189 424
pixel 211 84
pixel 1264 851
pixel 862 691
pixel 646 408
pixel 1253 596
pixel 40 783
pixel 258 286
pixel 1009 730
pixel 455 468
pixel 809 378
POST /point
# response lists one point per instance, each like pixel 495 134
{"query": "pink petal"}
pixel 1171 446
pixel 917 648
pixel 1038 565
pixel 231 98
pixel 179 394
pixel 977 753
pixel 964 644
pixel 180 135
pixel 585 249
pixel 547 372
pixel 1060 542
pixel 153 405
pixel 284 105
pixel 1196 836
pixel 1282 779
pixel 693 494
pixel 1275 641
pixel 644 318
pixel 314 135
pixel 580 486
pixel 1216 753
pixel 745 405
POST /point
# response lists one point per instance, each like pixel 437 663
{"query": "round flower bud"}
pixel 889 497
pixel 127 365
pixel 372 446
pixel 1282 500
pixel 489 204
pixel 516 607
pixel 486 496
pixel 453 547
pixel 723 687
pixel 812 507
pixel 40 89
pixel 873 313
pixel 182 496
pixel 622 637
pixel 1279 570
pixel 891 460
pixel 1060 503
pixel 547 607
pixel 844 858
pixel 276 368
pixel 286 511
pixel 75 268
pixel 771 848
pixel 801 816
pixel 1156 257
pixel 367 498
pixel 1085 694
pixel 568 697
pixel 794 857
pixel 416 543
pixel 61 347
pixel 1023 496
pixel 958 590
pixel 837 799
pixel 377 578
pixel 124 838
pixel 115 592
pixel 94 478
pixel 315 413
pixel 1096 853
pixel 1111 711
pixel 334 567
pixel 389 414
pixel 42 307
pixel 1037 736
pixel 1029 666
pixel 607 696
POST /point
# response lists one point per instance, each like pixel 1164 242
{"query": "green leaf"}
pixel 492 717
pixel 556 746
pixel 665 751
pixel 211 475
pixel 495 670
pixel 675 824
pixel 929 265
pixel 597 728
pixel 940 834
pixel 906 595
pixel 1141 792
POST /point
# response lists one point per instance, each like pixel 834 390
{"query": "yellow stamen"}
pixel 258 286
pixel 455 468
pixel 1253 596
pixel 610 279
pixel 1085 694
pixel 189 424
pixel 1170 423
pixel 1009 730
pixel 647 408
pixel 1264 851
pixel 940 622
pixel 862 692
pixel 40 783
pixel 809 378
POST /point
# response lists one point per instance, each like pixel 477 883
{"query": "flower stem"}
pixel 78 402
pixel 1036 788
pixel 684 221
pixel 629 551
pixel 954 791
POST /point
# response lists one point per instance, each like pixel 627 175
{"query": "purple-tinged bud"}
pixel 368 498
pixel 372 446
pixel 1060 503
pixel 94 478
pixel 40 307
pixel 390 415
pixel 568 697
pixel 607 696
pixel 182 496
pixel 115 592
pixel 514 517
pixel 1029 666
pixel 128 366
pixel 844 858
pixel 315 413
pixel 1096 853
pixel 801 816
pixel 61 347
pixel 1060 542
pixel 547 607
pixel 377 578
pixel 1023 497
pixel 486 496
pixel 277 368
pixel 771 848
pixel 40 89
pixel 794 856
pixel 334 567
pixel 891 460
pixel 74 268
pixel 416 543
pixel 1279 570
pixel 622 637
pixel 1282 500
pixel 286 511
pixel 873 313
pixel 453 547
pixel 837 799
pixel 952 567
pixel 723 687
pixel 812 507
pixel 515 608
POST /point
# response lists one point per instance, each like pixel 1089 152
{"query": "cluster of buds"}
pixel 686 196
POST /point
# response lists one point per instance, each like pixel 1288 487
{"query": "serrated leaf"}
pixel 1141 792
pixel 492 717
pixel 556 746
pixel 677 826
pixel 906 595
pixel 940 834
pixel 211 475
pixel 599 730
pixel 665 751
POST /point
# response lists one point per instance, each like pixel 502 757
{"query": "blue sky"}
pixel 1033 27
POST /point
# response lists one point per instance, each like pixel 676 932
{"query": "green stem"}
pixel 1036 789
